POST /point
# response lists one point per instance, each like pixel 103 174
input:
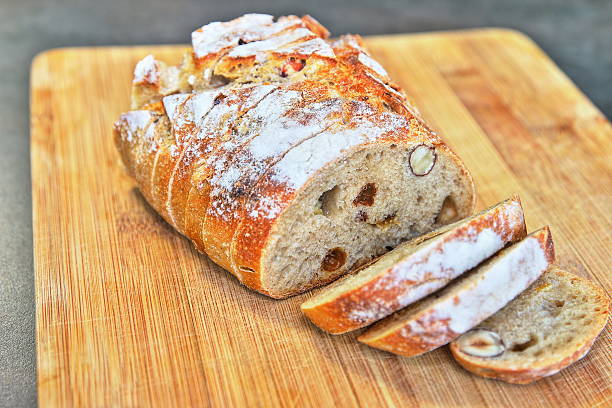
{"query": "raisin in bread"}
pixel 415 269
pixel 551 325
pixel 288 159
pixel 440 318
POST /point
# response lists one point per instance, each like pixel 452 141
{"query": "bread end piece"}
pixel 544 330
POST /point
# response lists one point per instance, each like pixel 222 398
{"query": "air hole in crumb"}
pixel 366 195
pixel 448 212
pixel 393 146
pixel 597 309
pixel 419 199
pixel 569 339
pixel 241 41
pixel 559 303
pixel 588 322
pixel 538 353
pixel 333 260
pixel 389 248
pixel 219 80
pixel 580 317
pixel 518 347
pixel 328 202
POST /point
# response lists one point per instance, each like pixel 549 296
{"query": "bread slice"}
pixel 545 329
pixel 466 302
pixel 415 269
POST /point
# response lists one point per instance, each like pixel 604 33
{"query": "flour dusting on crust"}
pixel 147 71
pixel 215 37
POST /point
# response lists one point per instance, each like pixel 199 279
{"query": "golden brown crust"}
pixel 335 315
pixel 490 368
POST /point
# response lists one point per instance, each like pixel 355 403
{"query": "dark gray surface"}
pixel 576 34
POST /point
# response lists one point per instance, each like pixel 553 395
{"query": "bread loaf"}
pixel 288 159
pixel 464 303
pixel 415 269
pixel 551 325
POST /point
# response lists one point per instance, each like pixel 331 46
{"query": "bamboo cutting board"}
pixel 129 314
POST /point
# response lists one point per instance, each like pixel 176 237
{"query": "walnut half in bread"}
pixel 288 159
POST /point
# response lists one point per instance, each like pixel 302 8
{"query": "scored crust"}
pixel 548 327
pixel 217 164
pixel 463 304
pixel 415 269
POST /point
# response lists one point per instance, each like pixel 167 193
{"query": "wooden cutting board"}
pixel 129 314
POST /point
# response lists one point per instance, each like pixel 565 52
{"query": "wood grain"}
pixel 129 314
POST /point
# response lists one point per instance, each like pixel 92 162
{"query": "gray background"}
pixel 576 34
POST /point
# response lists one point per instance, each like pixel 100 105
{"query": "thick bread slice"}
pixel 545 329
pixel 466 302
pixel 415 269
pixel 287 164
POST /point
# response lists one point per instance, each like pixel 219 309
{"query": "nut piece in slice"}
pixel 481 343
pixel 545 329
pixel 422 160
pixel 415 269
pixel 466 302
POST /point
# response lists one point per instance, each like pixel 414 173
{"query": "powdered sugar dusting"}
pixel 202 103
pixel 304 160
pixel 227 109
pixel 261 47
pixel 315 46
pixel 147 70
pixel 171 102
pixel 275 138
pixel 138 119
pixel 217 36
pixel 484 293
pixel 300 163
pixel 434 263
pixel 372 64
pixel 430 268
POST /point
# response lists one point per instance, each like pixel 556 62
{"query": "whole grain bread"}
pixel 551 325
pixel 415 269
pixel 465 302
pixel 288 159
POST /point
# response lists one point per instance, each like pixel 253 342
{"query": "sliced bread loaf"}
pixel 545 329
pixel 466 302
pixel 415 269
pixel 289 160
